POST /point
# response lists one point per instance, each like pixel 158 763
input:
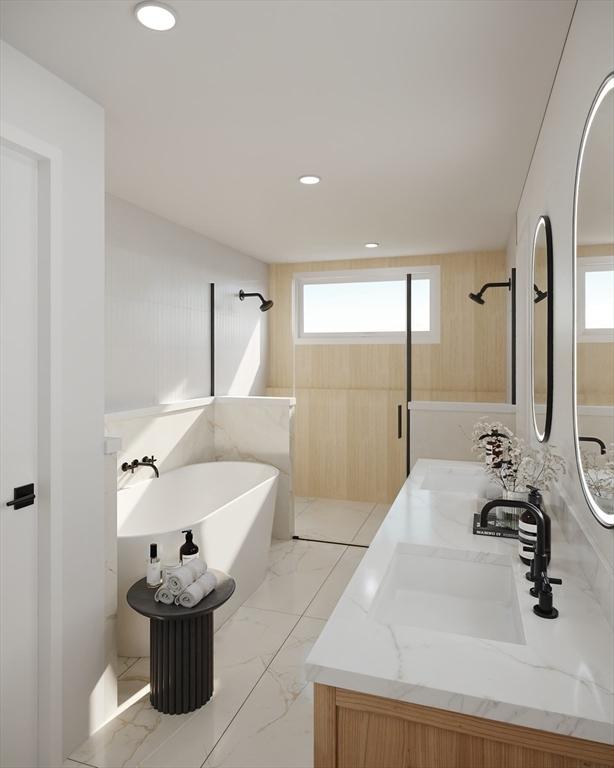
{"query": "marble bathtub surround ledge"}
pixel 217 428
pixel 559 677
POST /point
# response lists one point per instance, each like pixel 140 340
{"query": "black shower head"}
pixel 539 295
pixel 477 297
pixel 265 304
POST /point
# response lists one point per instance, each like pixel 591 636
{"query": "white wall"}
pixel 158 309
pixel 443 430
pixel 587 59
pixel 40 104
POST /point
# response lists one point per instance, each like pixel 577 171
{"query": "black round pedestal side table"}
pixel 181 646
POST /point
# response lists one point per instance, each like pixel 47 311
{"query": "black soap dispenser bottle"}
pixel 188 550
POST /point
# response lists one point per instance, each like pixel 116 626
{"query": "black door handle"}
pixel 23 496
pixel 399 422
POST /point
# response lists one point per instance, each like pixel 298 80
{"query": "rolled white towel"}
pixel 193 594
pixel 164 595
pixel 181 578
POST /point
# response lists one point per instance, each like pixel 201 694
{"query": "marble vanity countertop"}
pixel 558 677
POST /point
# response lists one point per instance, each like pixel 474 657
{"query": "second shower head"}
pixel 477 297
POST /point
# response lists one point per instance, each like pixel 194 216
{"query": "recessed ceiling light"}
pixel 309 179
pixel 371 245
pixel 156 16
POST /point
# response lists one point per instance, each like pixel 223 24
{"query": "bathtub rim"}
pixel 274 477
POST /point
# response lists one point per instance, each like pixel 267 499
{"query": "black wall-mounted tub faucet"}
pixel 542 588
pixel 597 440
pixel 146 461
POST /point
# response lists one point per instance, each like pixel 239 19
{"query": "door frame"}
pixel 49 440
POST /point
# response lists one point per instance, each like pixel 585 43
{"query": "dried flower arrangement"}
pixel 599 472
pixel 510 462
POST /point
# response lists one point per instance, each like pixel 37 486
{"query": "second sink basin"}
pixel 469 479
pixel 450 591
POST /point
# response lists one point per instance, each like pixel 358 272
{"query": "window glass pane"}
pixel 364 307
pixel 599 299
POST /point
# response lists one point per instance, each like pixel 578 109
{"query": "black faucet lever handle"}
pixel 552 580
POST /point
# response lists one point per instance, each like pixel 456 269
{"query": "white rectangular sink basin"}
pixel 457 479
pixel 450 591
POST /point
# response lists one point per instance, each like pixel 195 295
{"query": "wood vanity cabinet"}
pixel 356 730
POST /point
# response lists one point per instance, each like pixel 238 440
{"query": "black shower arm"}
pixel 247 295
pixel 507 284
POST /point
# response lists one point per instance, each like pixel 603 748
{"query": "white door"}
pixel 18 453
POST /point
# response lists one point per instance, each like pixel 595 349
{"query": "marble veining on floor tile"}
pixel 328 595
pixel 133 681
pixel 244 647
pixel 274 728
pixel 332 519
pixel 261 710
pixel 370 527
pixel 297 569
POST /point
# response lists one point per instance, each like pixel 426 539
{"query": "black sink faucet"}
pixel 146 461
pixel 542 588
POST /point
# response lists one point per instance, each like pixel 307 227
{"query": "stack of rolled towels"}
pixel 187 584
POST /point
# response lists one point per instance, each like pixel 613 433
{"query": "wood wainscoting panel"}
pixel 354 453
pixel 374 732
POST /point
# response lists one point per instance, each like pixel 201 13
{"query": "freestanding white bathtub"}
pixel 229 505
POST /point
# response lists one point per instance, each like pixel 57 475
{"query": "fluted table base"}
pixel 181 663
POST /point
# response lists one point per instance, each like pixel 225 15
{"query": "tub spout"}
pixel 146 461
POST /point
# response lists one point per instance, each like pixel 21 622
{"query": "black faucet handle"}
pixel 544 608
pixel 148 459
pixel 552 580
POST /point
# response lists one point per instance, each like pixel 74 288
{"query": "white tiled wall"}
pixel 158 278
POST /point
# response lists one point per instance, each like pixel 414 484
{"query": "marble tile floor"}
pixel 347 522
pixel 261 710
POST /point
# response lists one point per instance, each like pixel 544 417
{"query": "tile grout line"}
pixel 272 610
pixel 327 541
pixel 129 667
pixel 276 654
pixel 79 762
pixel 375 506
pixel 264 671
pixel 298 617
pixel 283 613
pixel 321 587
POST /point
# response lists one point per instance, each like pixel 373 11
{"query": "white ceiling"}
pixel 420 116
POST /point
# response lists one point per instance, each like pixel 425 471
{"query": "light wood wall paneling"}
pixel 346 418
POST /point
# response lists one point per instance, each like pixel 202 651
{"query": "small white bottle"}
pixel 154 568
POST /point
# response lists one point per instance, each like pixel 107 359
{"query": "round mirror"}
pixel 594 306
pixel 541 328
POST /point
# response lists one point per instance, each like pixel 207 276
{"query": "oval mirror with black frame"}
pixel 541 298
pixel 594 306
